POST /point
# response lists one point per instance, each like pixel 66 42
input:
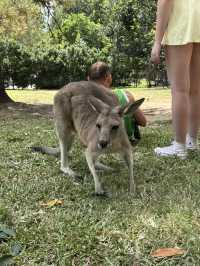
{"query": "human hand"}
pixel 155 53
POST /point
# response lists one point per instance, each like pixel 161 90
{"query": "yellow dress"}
pixel 184 23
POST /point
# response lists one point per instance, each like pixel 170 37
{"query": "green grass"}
pixel 121 230
pixel 32 96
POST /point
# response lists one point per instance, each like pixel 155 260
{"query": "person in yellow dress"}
pixel 178 30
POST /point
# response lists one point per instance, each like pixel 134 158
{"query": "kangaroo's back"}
pixel 87 88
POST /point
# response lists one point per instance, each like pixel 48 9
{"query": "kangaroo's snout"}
pixel 103 144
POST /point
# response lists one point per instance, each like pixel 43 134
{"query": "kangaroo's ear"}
pixel 97 105
pixel 132 107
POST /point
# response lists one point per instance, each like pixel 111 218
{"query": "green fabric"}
pixel 129 121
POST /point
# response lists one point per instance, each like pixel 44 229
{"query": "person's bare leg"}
pixel 178 60
pixel 194 98
pixel 178 64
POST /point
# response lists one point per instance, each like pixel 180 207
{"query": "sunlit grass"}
pixel 155 97
pixel 32 96
pixel 122 230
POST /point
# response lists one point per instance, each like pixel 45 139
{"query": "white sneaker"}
pixel 175 149
pixel 192 146
pixel 191 143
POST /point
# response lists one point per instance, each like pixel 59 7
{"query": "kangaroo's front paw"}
pixel 102 194
pixel 78 180
pixel 68 171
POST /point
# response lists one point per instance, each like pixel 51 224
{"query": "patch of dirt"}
pixel 157 114
pixel 17 110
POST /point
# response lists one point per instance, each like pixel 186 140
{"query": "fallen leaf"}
pixel 52 203
pixel 167 252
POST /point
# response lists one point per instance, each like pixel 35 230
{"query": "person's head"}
pixel 100 72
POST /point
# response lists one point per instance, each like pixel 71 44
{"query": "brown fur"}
pixel 92 112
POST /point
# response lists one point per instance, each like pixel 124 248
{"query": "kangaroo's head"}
pixel 109 122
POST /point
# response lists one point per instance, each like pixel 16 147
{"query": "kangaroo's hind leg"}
pixel 64 130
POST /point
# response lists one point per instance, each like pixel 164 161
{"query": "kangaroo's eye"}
pixel 115 127
pixel 98 126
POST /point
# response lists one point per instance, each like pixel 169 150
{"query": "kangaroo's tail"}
pixel 46 150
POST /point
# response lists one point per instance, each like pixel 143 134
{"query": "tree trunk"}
pixel 4 98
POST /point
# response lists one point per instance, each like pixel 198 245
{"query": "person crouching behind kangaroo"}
pixel 100 73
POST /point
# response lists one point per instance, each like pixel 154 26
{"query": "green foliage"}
pixel 77 34
pixel 79 26
pixel 97 10
pixel 15 63
pixel 127 27
pixel 49 66
pixel 131 31
pixel 21 20
pixel 57 65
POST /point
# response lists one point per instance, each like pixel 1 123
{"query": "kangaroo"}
pixel 93 113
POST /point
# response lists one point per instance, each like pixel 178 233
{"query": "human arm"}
pixel 140 118
pixel 164 8
pixel 138 114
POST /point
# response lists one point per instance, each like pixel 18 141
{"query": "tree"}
pixel 51 42
pixel 97 10
pixel 129 27
pixel 131 30
pixel 79 26
pixel 16 66
pixel 77 44
pixel 58 64
pixel 21 21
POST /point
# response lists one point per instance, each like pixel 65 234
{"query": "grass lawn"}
pixel 155 98
pixel 121 230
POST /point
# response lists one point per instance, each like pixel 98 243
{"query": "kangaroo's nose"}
pixel 103 144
